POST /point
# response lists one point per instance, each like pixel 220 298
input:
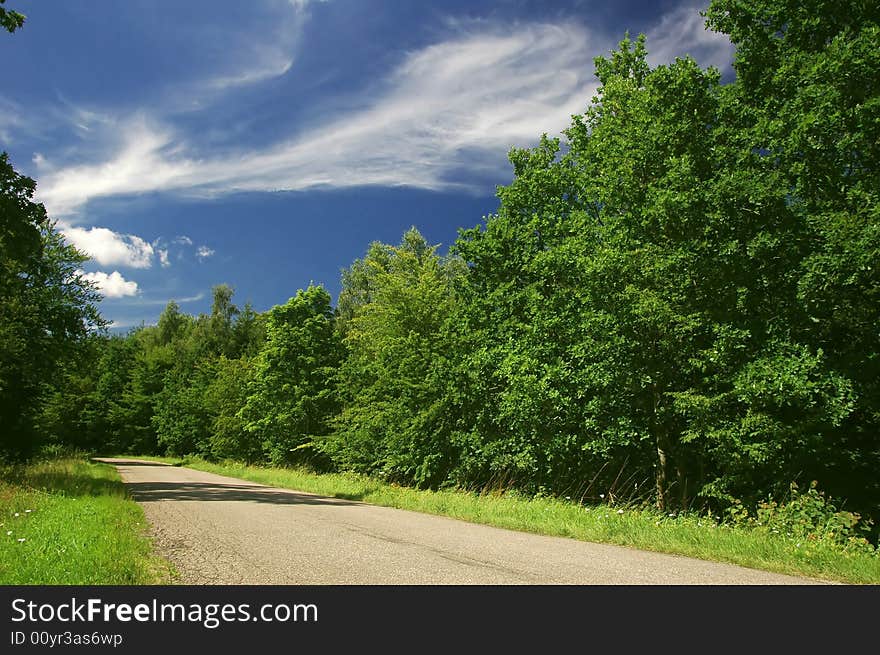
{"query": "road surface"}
pixel 220 530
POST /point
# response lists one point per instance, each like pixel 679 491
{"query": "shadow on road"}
pixel 147 491
pixel 113 461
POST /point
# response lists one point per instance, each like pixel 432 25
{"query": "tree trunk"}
pixel 661 441
pixel 662 484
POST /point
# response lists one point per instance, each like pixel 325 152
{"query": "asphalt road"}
pixel 220 530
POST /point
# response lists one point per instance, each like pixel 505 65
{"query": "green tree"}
pixel 10 20
pixel 172 324
pixel 223 314
pixel 292 395
pixel 68 416
pixel 224 397
pixel 47 308
pixel 635 298
pixel 204 378
pixel 808 100
pixel 359 283
pixel 396 380
pixel 179 415
pixel 248 333
pixel 106 410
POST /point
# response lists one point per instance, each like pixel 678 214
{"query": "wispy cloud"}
pixel 274 64
pixel 112 285
pixel 141 301
pixel 682 32
pixel 110 248
pixel 163 258
pixel 302 4
pixel 453 106
pixel 263 49
pixel 204 252
pixel 66 189
pixel 445 115
pixel 11 120
pixel 85 120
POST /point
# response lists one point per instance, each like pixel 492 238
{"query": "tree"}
pixel 359 282
pixel 636 303
pixel 224 397
pixel 396 378
pixel 172 324
pixel 808 101
pixel 10 20
pixel 248 333
pixel 223 313
pixel 292 396
pixel 47 308
pixel 179 415
pixel 203 384
pixel 69 415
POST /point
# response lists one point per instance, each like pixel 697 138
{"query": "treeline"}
pixel 677 303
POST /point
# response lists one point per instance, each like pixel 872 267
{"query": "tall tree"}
pixel 292 396
pixel 396 379
pixel 808 102
pixel 636 297
pixel 47 307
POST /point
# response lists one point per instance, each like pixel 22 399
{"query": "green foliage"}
pixel 292 396
pixel 10 20
pixel 640 299
pixel 808 518
pixel 47 308
pixel 601 315
pixel 223 398
pixel 180 417
pixel 68 418
pixel 396 418
pixel 809 100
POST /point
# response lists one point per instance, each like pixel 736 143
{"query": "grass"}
pixel 69 522
pixel 687 534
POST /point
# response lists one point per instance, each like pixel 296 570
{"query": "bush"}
pixel 808 516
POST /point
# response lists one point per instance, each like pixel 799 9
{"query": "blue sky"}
pixel 265 144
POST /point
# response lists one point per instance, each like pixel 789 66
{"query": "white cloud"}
pixel 183 240
pixel 204 252
pixel 274 64
pixel 453 106
pixel 246 59
pixel 445 115
pixel 11 120
pixel 66 189
pixel 302 5
pixel 194 298
pixel 19 123
pixel 147 302
pixel 110 248
pixel 112 285
pixel 82 118
pixel 682 32
pixel 163 258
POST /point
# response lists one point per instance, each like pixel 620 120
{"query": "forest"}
pixel 676 303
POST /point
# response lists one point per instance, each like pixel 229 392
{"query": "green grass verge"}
pixel 646 529
pixel 67 521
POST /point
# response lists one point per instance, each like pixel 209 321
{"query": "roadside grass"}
pixel 690 535
pixel 66 521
